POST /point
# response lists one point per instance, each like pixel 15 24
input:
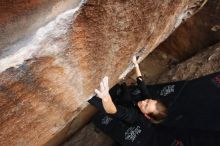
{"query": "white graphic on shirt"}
pixel 132 133
pixel 167 90
pixel 106 120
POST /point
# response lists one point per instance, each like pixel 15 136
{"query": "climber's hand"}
pixel 137 69
pixel 103 93
pixel 134 60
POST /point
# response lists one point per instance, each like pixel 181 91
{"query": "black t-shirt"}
pixel 190 121
pixel 198 105
pixel 191 104
pixel 143 133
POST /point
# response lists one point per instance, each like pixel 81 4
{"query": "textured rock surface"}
pixel 46 79
pixel 195 34
pixel 90 136
pixel 20 18
pixel 75 125
pixel 200 31
pixel 206 62
pixel 199 65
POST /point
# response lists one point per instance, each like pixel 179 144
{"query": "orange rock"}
pixel 48 77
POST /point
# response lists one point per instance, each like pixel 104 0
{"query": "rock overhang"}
pixel 48 89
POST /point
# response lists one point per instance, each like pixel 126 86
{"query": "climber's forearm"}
pixel 106 106
pixel 137 70
pixel 105 97
pixel 109 106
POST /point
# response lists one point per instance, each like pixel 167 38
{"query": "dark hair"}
pixel 159 117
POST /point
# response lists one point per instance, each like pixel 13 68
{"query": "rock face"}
pixel 199 32
pixel 46 78
pixel 19 19
pixel 196 33
pixel 90 136
pixel 206 62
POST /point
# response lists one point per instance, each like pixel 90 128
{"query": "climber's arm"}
pixel 127 114
pixel 103 102
pixel 104 95
pixel 140 81
pixel 137 69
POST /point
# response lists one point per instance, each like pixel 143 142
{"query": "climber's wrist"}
pixel 136 65
pixel 109 106
pixel 107 98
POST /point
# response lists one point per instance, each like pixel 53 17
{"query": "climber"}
pixel 182 104
pixel 128 98
pixel 161 105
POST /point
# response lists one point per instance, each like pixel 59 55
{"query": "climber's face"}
pixel 148 106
